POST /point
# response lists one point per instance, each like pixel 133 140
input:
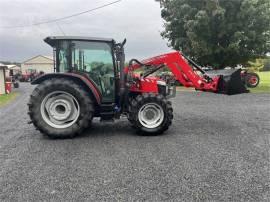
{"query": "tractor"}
pixel 91 80
pixel 250 79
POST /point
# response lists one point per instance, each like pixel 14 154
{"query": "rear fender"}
pixel 86 82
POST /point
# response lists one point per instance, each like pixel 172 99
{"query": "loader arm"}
pixel 182 71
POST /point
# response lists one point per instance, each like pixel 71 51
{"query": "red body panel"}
pixel 182 71
pixel 146 85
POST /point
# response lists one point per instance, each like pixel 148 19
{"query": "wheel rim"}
pixel 60 109
pixel 253 80
pixel 151 115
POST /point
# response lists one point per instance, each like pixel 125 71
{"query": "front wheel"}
pixel 150 114
pixel 60 108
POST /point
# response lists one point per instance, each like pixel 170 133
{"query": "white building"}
pixel 2 79
pixel 38 64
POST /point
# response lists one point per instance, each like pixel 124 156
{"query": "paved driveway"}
pixel 217 149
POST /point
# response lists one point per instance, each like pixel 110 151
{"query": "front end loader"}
pixel 91 80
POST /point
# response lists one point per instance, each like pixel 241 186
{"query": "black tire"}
pixel 16 85
pixel 248 78
pixel 142 100
pixel 129 115
pixel 49 86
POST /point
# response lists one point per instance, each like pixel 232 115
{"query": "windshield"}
pixel 82 55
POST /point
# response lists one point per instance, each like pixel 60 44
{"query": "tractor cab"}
pixel 90 57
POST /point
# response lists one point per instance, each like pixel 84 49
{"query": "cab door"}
pixel 96 59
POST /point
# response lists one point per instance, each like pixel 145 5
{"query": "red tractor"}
pixel 250 79
pixel 92 81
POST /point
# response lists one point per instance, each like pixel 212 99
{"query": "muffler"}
pixel 230 81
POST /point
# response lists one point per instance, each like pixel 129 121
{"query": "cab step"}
pixel 107 112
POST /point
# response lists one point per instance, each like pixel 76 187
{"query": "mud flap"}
pixel 230 81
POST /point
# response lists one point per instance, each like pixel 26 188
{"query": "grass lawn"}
pixel 5 99
pixel 264 85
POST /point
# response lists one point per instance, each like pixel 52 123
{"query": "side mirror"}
pixel 124 42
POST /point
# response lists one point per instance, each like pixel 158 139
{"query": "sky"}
pixel 137 20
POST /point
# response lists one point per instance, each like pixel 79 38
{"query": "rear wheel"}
pixel 150 114
pixel 60 108
pixel 252 80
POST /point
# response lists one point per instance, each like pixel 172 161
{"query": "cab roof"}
pixel 52 39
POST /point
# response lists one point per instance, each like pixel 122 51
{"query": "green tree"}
pixel 218 32
pixel 256 65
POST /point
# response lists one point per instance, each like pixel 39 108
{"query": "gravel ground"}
pixel 216 150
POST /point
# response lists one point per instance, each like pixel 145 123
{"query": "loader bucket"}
pixel 230 81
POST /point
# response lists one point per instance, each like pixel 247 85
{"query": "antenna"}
pixel 60 28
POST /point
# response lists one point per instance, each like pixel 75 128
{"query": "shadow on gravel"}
pixel 180 126
pixel 106 130
pixel 117 128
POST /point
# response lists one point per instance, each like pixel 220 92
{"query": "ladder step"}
pixel 107 107
pixel 106 120
pixel 106 115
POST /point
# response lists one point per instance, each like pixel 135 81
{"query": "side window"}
pixel 63 56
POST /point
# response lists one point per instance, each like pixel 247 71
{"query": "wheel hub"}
pixel 253 80
pixel 60 109
pixel 151 115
